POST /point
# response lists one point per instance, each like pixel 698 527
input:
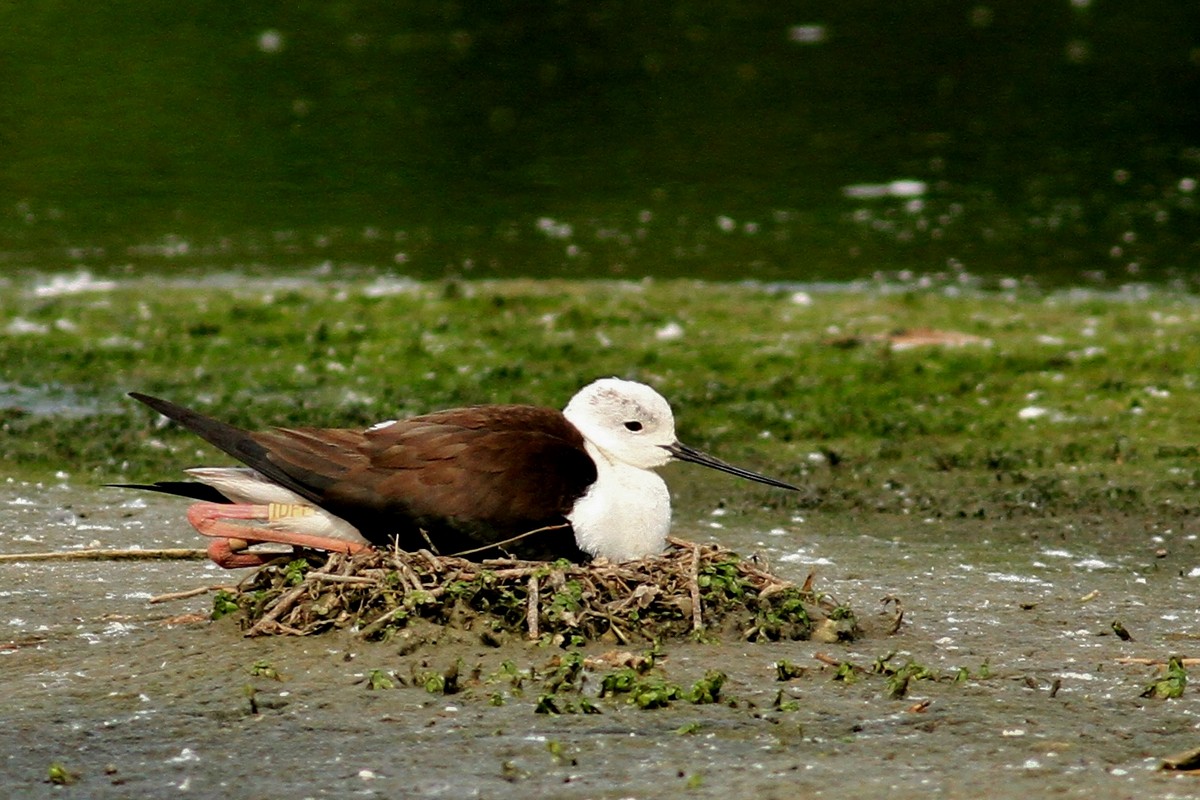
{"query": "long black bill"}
pixel 685 453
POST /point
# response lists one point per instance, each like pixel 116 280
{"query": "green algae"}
pixel 1066 403
pixel 1171 684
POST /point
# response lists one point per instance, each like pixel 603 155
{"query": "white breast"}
pixel 625 514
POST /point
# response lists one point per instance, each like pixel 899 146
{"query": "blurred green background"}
pixel 1057 142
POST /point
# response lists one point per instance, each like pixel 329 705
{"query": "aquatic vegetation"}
pixel 648 690
pixel 433 682
pixel 707 689
pixel 785 670
pixel 224 603
pixel 293 572
pixel 566 674
pixel 551 703
pixel 61 775
pixel 378 679
pixel 263 669
pixel 898 678
pixel 643 691
pixel 780 704
pixel 1171 683
pixel 1070 402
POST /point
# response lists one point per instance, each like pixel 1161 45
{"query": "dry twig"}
pixel 694 590
pixel 199 590
pixel 533 608
pixel 168 554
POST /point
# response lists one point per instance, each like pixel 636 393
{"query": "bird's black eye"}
pixel 633 425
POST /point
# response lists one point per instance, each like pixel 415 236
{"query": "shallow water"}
pixel 142 700
pixel 1054 141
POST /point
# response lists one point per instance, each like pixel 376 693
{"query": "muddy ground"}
pixel 134 699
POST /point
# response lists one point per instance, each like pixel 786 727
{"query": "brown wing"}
pixel 467 477
pixel 485 473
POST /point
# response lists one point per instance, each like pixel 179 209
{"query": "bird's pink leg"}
pixel 231 554
pixel 210 519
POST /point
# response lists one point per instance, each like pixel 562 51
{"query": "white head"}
pixel 633 424
pixel 629 429
pixel 629 421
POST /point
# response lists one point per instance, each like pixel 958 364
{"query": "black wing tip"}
pixel 141 487
pixel 181 414
pixel 150 400
pixel 189 489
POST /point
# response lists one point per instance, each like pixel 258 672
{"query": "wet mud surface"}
pixel 145 700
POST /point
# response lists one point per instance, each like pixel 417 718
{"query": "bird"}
pixel 517 480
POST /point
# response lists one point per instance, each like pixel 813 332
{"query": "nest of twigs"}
pixel 691 590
